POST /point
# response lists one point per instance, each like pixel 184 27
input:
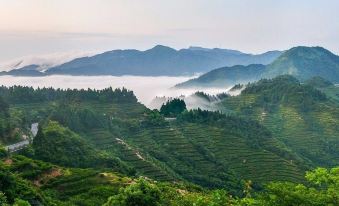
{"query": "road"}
pixel 20 145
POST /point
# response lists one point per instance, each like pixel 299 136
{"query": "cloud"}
pixel 145 88
pixel 44 61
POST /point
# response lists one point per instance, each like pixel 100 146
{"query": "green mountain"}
pixel 226 76
pixel 93 145
pixel 300 62
pixel 61 146
pixel 327 87
pixel 200 147
pixel 26 181
pixel 299 115
pixel 305 63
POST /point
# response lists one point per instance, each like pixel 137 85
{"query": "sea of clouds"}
pixel 145 88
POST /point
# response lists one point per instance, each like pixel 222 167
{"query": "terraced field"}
pixel 198 153
pixel 312 135
pixel 251 163
pixel 211 155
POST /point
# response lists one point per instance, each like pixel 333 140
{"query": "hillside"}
pixel 226 76
pixel 31 70
pixel 305 63
pixel 204 148
pixel 86 137
pixel 26 181
pixel 157 61
pixel 302 117
pixel 300 62
pixel 330 89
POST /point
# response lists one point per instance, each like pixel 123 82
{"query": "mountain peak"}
pixel 304 50
pixel 304 63
pixel 197 48
pixel 162 48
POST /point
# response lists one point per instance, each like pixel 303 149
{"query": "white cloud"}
pixel 44 61
pixel 145 88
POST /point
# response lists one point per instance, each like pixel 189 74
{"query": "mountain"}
pixel 30 70
pixel 27 181
pixel 305 63
pixel 204 148
pixel 301 116
pixel 226 76
pixel 95 147
pixel 41 62
pixel 301 62
pixel 160 60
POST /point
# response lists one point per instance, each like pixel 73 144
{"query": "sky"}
pixel 38 27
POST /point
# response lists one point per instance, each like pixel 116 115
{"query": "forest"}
pixel 103 147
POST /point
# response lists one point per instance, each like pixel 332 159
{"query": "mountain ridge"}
pixel 157 61
pixel 302 62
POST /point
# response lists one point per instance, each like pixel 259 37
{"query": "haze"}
pixel 145 88
pixel 34 27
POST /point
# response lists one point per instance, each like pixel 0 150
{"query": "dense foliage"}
pixel 173 108
pixel 60 145
pixel 4 118
pixel 197 147
pixel 52 185
pixel 304 118
pixel 286 90
pixel 319 82
pixel 231 156
pixel 19 94
pixel 211 98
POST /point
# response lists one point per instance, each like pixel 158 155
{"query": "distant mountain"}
pixel 300 62
pixel 30 70
pixel 226 76
pixel 305 63
pixel 41 62
pixel 160 60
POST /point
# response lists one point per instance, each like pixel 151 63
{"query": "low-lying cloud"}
pixel 44 61
pixel 145 88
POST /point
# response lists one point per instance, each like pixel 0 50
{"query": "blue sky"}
pixel 33 27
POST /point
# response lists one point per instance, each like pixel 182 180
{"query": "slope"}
pixel 300 62
pixel 226 76
pixel 305 63
pixel 204 148
pixel 297 114
pixel 160 60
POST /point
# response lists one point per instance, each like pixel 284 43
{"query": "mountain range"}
pixel 301 62
pixel 157 61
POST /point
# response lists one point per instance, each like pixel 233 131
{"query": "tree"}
pixel 173 108
pixel 3 199
pixel 20 202
pixel 322 189
pixel 141 193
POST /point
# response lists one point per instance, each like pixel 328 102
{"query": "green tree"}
pixel 173 108
pixel 322 189
pixel 20 202
pixel 3 199
pixel 142 193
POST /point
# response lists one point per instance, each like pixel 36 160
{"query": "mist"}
pixel 43 61
pixel 145 88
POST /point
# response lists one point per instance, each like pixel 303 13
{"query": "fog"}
pixel 145 88
pixel 44 61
